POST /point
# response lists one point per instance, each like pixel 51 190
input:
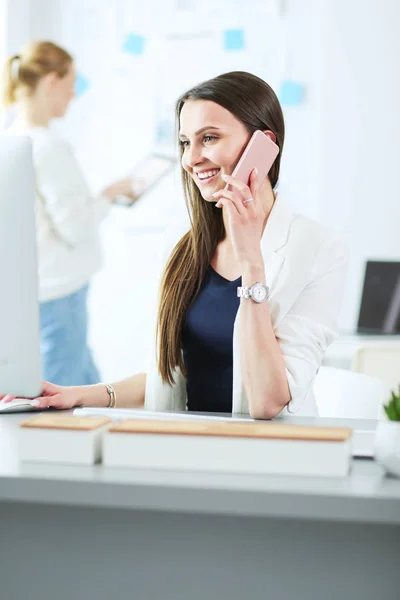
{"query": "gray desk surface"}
pixel 366 495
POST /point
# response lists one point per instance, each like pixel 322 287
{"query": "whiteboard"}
pixel 129 104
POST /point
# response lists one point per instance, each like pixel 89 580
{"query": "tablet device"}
pixel 146 174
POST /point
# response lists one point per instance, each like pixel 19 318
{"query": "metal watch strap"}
pixel 254 291
pixel 244 292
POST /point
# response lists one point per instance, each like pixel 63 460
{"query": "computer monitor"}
pixel 20 368
pixel 380 301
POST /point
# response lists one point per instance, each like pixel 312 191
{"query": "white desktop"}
pixel 20 368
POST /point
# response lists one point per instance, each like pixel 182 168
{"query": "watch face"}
pixel 259 292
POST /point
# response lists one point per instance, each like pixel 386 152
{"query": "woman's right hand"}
pixel 122 187
pixel 56 396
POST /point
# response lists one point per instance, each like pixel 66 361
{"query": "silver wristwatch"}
pixel 257 292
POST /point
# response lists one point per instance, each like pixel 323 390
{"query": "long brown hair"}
pixel 255 104
pixel 22 72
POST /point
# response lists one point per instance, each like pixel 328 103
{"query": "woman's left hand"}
pixel 245 216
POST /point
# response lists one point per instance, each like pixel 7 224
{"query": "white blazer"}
pixel 305 269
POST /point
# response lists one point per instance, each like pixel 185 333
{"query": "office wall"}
pixel 360 152
pixel 341 149
pixel 126 94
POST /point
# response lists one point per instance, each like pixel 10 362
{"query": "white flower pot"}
pixel 387 446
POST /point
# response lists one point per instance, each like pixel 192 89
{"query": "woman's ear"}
pixel 50 80
pixel 270 134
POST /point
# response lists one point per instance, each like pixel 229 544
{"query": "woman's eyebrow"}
pixel 208 127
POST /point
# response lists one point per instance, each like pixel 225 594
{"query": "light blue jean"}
pixel 66 356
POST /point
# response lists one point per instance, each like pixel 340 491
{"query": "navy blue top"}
pixel 207 344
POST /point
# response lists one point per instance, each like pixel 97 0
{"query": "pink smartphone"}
pixel 259 153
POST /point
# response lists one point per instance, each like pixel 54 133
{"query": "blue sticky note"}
pixel 234 39
pixel 165 131
pixel 291 93
pixel 133 44
pixel 81 84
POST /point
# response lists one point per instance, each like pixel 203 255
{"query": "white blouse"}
pixel 67 216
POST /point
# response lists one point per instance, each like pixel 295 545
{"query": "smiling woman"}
pixel 277 344
pixel 250 295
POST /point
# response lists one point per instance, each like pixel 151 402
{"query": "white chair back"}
pixel 340 393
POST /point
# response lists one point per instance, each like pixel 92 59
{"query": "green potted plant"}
pixel 387 440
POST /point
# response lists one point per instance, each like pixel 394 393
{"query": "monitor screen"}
pixel 380 301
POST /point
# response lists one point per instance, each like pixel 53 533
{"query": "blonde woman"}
pixel 39 83
pixel 217 348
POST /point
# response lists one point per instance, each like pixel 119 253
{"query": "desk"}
pixel 340 354
pixel 95 533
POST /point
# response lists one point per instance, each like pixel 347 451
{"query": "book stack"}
pixel 55 438
pixel 238 447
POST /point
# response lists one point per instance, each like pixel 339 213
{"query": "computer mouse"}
pixel 18 405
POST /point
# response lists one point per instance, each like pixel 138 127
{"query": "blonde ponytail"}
pixel 22 72
pixel 9 80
